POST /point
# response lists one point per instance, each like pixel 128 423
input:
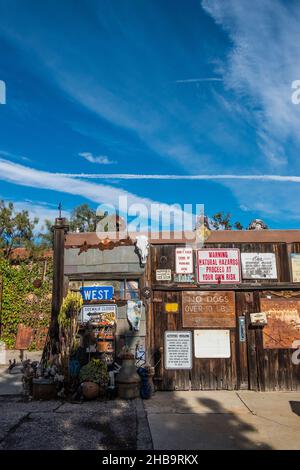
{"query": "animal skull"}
pixel 142 248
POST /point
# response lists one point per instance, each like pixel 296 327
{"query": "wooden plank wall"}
pixel 250 366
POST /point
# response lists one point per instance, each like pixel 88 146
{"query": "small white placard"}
pixel 212 343
pixel 178 350
pixel 163 274
pixel 259 318
pixel 184 260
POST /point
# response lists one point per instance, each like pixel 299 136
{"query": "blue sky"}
pixel 164 87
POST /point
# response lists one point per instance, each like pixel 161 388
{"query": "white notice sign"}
pixel 218 266
pixel 212 343
pixel 184 260
pixel 178 350
pixel 163 274
pixel 259 266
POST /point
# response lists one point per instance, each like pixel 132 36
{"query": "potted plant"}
pixel 94 378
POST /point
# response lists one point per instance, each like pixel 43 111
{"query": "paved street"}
pixel 224 420
pixel 52 425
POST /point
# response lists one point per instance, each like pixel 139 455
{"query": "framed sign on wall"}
pixel 208 309
pixel 184 260
pixel 178 350
pixel 218 266
pixel 212 343
pixel 259 266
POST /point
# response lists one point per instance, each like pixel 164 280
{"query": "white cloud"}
pixel 100 159
pixel 99 193
pixel 262 64
pixel 41 210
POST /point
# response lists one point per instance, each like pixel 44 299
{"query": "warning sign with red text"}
pixel 219 266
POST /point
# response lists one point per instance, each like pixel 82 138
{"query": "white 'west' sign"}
pixel 218 266
pixel 184 260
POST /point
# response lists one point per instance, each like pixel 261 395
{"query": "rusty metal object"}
pixel 25 336
pixel 105 244
pixel 283 326
pixel 208 309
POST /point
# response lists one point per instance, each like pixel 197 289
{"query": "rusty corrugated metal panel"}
pixel 216 236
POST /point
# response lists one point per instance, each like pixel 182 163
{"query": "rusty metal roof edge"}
pixel 73 240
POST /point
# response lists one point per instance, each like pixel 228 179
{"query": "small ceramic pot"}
pixel 90 390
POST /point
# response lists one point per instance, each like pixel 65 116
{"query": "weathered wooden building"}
pixel 196 326
pixel 260 356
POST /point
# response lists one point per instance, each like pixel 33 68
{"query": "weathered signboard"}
pixel 25 336
pixel 178 350
pixel 259 266
pixel 97 293
pixel 184 260
pixel 208 309
pixel 88 311
pixel 212 343
pixel 283 327
pixel 163 274
pixel 295 262
pixel 218 266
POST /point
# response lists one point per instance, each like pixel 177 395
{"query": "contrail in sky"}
pixel 128 176
pixel 196 80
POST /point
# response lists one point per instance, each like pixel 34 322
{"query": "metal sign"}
pixel 184 260
pixel 208 309
pixel 97 293
pixel 295 262
pixel 171 307
pixel 163 274
pixel 184 278
pixel 258 318
pixel 242 329
pixel 178 350
pixel 218 266
pixel 283 328
pixel 259 266
pixel 212 343
pixel 87 311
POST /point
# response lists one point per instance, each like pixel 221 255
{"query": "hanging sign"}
pixel 178 350
pixel 208 309
pixel 212 343
pixel 97 293
pixel 134 313
pixel 259 266
pixel 163 274
pixel 295 262
pixel 218 266
pixel 184 260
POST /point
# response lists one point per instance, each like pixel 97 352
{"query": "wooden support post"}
pixel 59 230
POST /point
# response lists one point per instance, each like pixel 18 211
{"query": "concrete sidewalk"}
pixel 224 420
pixel 10 382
